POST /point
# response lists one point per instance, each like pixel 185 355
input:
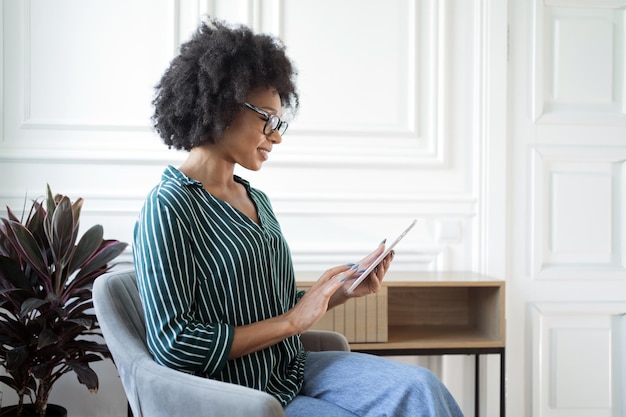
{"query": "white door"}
pixel 567 228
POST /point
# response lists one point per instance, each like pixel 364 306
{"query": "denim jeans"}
pixel 352 384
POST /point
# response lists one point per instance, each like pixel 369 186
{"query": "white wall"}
pixel 403 115
pixel 566 269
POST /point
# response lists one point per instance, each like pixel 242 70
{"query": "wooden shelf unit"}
pixel 424 310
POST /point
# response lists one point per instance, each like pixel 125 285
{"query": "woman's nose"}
pixel 275 137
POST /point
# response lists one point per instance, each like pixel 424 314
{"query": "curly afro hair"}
pixel 206 85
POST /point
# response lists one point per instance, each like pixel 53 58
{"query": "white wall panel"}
pixel 577 361
pixel 383 104
pixel 583 46
pixel 577 212
pixel 580 191
pixel 575 353
pixel 79 78
pixel 63 89
pixel 578 62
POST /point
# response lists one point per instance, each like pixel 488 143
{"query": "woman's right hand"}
pixel 314 304
pixel 311 307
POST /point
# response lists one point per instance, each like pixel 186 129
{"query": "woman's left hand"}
pixel 371 284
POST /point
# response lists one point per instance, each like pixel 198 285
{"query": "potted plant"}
pixel 47 324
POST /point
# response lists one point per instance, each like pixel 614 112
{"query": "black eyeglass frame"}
pixel 270 119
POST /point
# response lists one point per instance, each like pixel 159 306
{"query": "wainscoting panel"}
pixel 577 359
pixel 578 205
pixel 578 61
pixel 75 83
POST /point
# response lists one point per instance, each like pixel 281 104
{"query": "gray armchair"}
pixel 154 390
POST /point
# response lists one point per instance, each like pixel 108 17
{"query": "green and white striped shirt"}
pixel 204 268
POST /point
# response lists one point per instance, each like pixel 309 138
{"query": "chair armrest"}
pixel 161 391
pixel 319 340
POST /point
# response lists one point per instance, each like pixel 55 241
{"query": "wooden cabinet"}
pixel 423 310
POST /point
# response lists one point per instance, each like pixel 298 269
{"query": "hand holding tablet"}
pixel 380 258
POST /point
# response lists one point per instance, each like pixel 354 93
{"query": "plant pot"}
pixel 52 410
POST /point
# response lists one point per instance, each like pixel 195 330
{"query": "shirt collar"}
pixel 172 173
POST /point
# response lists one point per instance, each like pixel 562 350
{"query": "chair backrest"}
pixel 120 315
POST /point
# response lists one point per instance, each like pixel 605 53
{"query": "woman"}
pixel 214 271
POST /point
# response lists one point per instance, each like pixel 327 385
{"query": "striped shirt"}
pixel 203 268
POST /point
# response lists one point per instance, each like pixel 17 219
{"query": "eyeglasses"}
pixel 272 122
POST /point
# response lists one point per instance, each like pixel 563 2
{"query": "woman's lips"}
pixel 265 153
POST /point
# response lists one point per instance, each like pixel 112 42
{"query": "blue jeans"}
pixel 352 384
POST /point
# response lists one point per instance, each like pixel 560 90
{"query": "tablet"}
pixel 380 258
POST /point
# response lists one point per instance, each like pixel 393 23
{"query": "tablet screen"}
pixel 380 258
